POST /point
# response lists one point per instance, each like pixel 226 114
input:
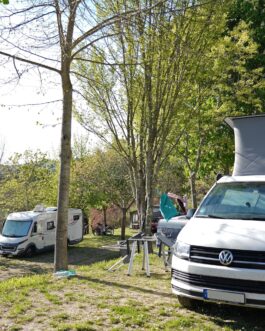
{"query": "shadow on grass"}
pixel 77 256
pixel 91 250
pixel 125 286
pixel 233 317
pixel 43 262
pixel 12 267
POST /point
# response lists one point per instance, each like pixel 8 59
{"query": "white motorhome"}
pixel 220 254
pixel 25 233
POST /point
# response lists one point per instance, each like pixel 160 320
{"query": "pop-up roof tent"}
pixel 249 134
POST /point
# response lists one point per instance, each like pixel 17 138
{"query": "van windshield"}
pixel 235 201
pixel 14 228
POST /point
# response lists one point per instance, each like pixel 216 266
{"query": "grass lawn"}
pixel 31 298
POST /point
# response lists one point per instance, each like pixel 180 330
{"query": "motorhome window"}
pixel 34 229
pixel 235 201
pixel 50 225
pixel 14 228
pixel 76 217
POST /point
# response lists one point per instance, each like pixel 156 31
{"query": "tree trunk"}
pixel 104 219
pixel 140 199
pixel 193 190
pixel 149 192
pixel 60 257
pixel 123 223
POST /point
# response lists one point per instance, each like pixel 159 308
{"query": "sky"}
pixel 24 125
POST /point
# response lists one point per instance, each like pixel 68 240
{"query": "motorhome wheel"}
pixel 30 251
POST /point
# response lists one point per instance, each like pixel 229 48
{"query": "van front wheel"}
pixel 30 251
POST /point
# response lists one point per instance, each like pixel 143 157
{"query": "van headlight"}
pixel 182 250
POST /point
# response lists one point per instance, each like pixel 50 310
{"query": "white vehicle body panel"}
pixel 232 234
pixel 210 233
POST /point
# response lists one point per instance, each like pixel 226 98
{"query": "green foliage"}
pixel 235 84
pixel 252 13
pixel 172 177
pixel 223 86
pixel 5 2
pixel 100 179
pixel 140 99
pixel 29 179
pixel 237 88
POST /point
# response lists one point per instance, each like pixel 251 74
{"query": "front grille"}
pixel 6 248
pixel 228 284
pixel 242 258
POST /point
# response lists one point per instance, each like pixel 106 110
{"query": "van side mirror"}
pixel 218 176
pixel 190 213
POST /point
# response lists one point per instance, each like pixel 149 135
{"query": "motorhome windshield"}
pixel 13 228
pixel 235 201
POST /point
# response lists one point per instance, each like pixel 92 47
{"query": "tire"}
pixel 30 251
pixel 187 302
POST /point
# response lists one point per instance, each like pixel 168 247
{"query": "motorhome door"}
pixel 49 232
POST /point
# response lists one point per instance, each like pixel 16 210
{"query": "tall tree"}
pixel 50 35
pixel 223 87
pixel 115 180
pixel 251 12
pixel 137 87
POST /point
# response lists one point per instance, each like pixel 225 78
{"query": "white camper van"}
pixel 25 233
pixel 220 254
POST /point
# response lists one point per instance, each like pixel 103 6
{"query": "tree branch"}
pixel 14 57
pixel 111 20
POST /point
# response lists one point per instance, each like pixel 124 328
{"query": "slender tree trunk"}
pixel 66 42
pixel 149 192
pixel 140 199
pixel 104 219
pixel 123 223
pixel 193 190
pixel 60 257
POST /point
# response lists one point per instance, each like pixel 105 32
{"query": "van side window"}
pixel 50 225
pixel 76 217
pixel 34 229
